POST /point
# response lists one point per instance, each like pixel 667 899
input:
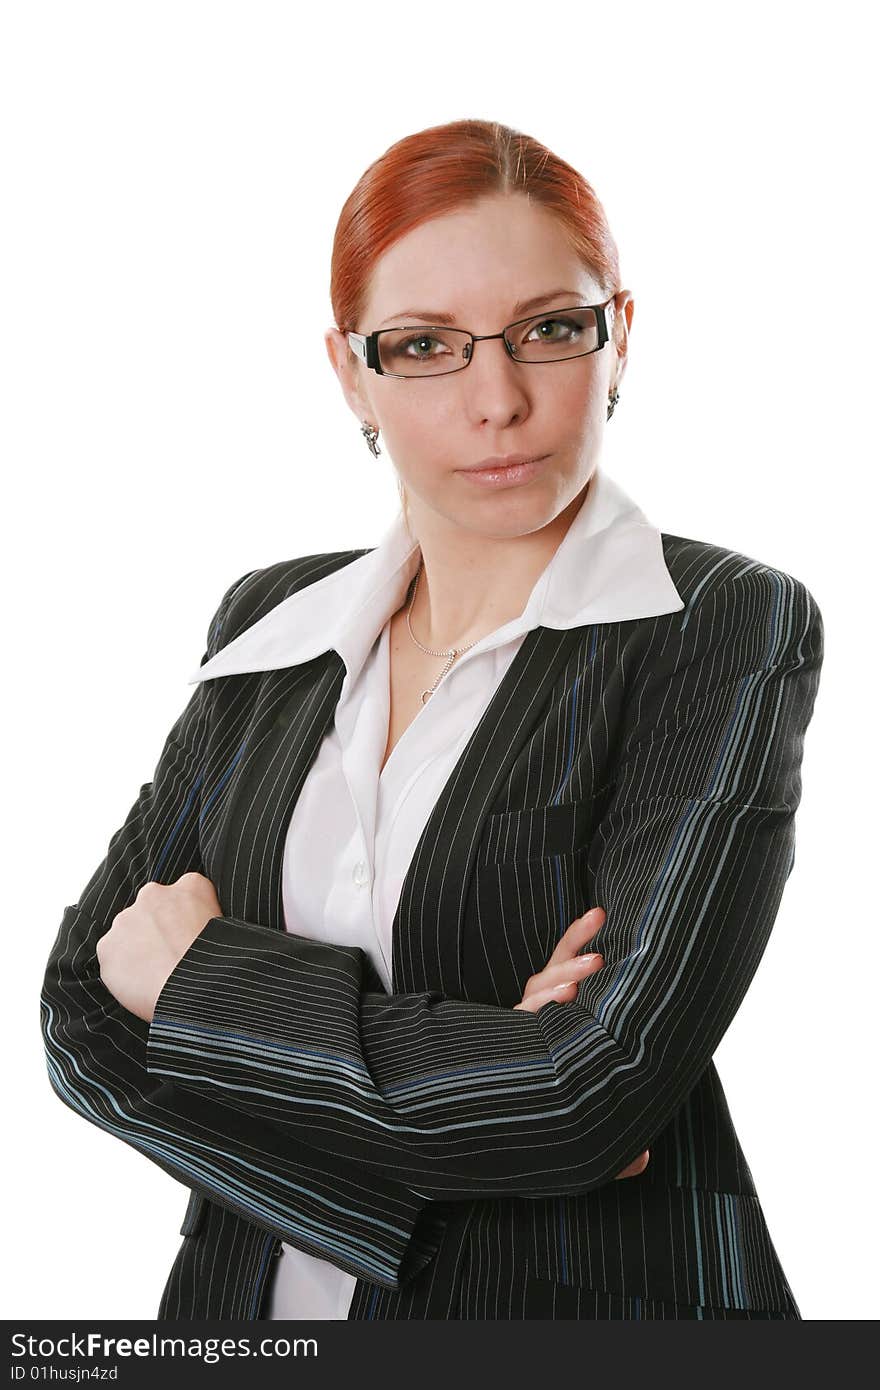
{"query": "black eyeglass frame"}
pixel 366 345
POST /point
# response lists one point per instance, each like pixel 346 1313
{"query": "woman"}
pixel 331 973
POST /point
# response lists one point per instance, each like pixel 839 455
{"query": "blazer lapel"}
pixel 428 924
pixel 295 711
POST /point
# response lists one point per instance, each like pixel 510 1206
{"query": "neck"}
pixel 469 585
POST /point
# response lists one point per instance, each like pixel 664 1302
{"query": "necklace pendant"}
pixel 426 695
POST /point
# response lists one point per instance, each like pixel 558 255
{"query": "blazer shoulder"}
pixel 700 569
pixel 252 595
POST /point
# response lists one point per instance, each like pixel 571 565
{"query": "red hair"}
pixel 447 167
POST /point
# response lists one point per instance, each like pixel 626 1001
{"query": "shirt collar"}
pixel 608 568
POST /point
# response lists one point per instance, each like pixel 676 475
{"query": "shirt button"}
pixel 360 873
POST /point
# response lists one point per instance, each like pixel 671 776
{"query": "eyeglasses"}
pixel 419 350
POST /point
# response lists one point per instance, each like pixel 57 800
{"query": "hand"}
pixel 559 980
pixel 148 939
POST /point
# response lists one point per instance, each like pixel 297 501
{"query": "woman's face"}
pixel 476 264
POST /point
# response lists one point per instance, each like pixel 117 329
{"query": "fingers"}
pixel 559 981
pixel 637 1166
pixel 531 1003
pixel 566 966
pixel 577 935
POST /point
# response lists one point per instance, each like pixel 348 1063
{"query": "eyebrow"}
pixel 521 307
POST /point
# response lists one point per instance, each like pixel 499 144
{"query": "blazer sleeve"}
pixel 463 1099
pixel 326 1204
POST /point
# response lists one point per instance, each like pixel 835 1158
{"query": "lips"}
pixel 494 465
pixel 507 474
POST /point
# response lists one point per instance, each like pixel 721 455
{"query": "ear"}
pixel 347 370
pixel 624 305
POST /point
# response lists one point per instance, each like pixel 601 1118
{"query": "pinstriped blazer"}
pixel 459 1156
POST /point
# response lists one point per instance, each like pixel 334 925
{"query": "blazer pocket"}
pixel 678 1244
pixel 195 1214
pixel 539 831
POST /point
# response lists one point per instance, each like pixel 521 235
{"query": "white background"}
pixel 172 174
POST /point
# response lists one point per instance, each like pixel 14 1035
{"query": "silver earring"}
pixel 371 434
pixel 612 402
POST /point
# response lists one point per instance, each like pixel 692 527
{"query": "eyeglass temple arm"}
pixel 358 343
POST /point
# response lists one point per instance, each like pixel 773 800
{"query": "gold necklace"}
pixel 450 655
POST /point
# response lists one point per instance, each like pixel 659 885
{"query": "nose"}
pixel 496 391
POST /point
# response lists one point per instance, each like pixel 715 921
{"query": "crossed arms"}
pixel 278 1082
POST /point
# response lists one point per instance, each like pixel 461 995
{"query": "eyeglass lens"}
pixel 429 351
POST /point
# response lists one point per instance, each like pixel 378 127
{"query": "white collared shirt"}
pixel 354 829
